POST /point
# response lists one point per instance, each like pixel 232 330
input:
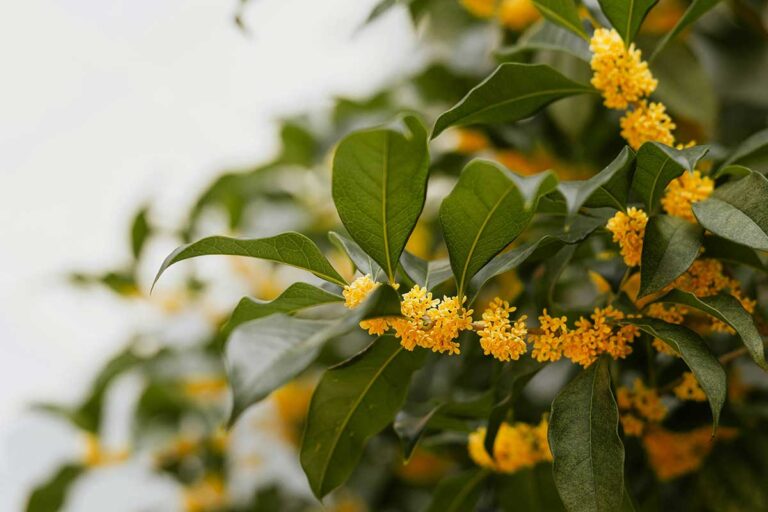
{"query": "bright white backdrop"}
pixel 105 104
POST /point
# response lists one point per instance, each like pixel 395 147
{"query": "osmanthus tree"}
pixel 557 296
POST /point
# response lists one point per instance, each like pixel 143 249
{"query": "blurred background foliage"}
pixel 712 78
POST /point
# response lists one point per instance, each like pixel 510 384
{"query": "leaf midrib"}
pixel 562 20
pixel 385 172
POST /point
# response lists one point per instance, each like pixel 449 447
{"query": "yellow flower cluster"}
pixel 619 72
pixel 673 454
pixel 672 314
pixel 587 341
pixel 628 230
pixel 480 8
pixel 517 446
pixel 513 14
pixel 209 493
pixel 358 290
pixel 639 406
pixel 500 337
pixel 682 192
pixel 292 403
pixel 689 389
pixel 97 455
pixel 705 277
pixel 647 122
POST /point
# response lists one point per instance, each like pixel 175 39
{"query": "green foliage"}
pixel 458 492
pixel 626 16
pixel 51 495
pixel 562 12
pixel 608 188
pixel 670 246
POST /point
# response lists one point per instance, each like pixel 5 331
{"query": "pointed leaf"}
pixel 584 438
pixel 487 209
pixel 514 91
pixel 728 309
pixel 290 248
pixel 410 428
pixel 657 165
pixel 696 355
pixel 694 12
pixel 738 211
pixel 609 188
pixel 670 246
pixel 354 401
pixel 458 493
pixel 562 12
pixel 379 187
pixel 52 494
pixel 626 16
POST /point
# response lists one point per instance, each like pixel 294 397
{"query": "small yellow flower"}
pixel 517 446
pixel 673 454
pixel 628 230
pixel 690 389
pixel 639 406
pixel 619 72
pixel 647 122
pixel 208 494
pixel 469 142
pixel 499 337
pixel 356 292
pixel 547 346
pixel 632 425
pixel 292 403
pixel 682 192
pixel 480 8
pixel 517 14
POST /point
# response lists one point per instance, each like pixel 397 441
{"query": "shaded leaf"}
pixel 363 263
pixel 725 250
pixel 608 188
pixel 691 14
pixel 427 274
pixel 670 246
pixel 50 496
pixel 410 428
pixel 752 153
pixel 512 92
pixel 529 490
pixel 657 165
pixel 354 401
pixel 140 231
pixel 546 36
pixel 458 493
pixel 379 187
pixel 290 248
pixel 626 16
pixel 583 435
pixel 563 13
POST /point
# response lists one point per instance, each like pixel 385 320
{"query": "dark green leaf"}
pixel 410 428
pixel 609 188
pixel 361 260
pixel 546 36
pixel 513 92
pixel 752 153
pixel 354 401
pixel 583 435
pixel 725 250
pixel 50 496
pixel 140 231
pixel 657 165
pixel 670 246
pixel 529 490
pixel 296 297
pixel 458 493
pixel 728 309
pixel 562 12
pixel 290 248
pixel 487 209
pixel 696 355
pixel 694 12
pixel 626 16
pixel 738 211
pixel 379 187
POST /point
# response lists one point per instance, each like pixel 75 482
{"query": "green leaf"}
pixel 529 490
pixel 752 153
pixel 427 274
pixel 583 435
pixel 694 12
pixel 670 246
pixel 379 187
pixel 728 309
pixel 263 354
pixel 738 211
pixel 458 493
pixel 363 263
pixel 562 12
pixel 410 428
pixel 657 165
pixel 296 297
pixel 626 16
pixel 140 231
pixel 697 356
pixel 354 401
pixel 50 496
pixel 290 248
pixel 512 92
pixel 546 36
pixel 608 188
pixel 487 209
pixel 725 250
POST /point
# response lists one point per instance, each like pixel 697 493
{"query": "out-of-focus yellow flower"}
pixel 207 494
pixel 672 314
pixel 619 72
pixel 517 14
pixel 547 344
pixel 647 122
pixel 517 446
pixel 480 8
pixel 469 142
pixel 292 403
pixel 358 290
pixel 638 406
pixel 424 467
pixel 348 503
pixel 737 388
pixel 207 389
pixel 682 192
pixel 601 285
pixel 500 337
pixel 419 244
pixel 663 17
pixel 673 454
pixel 628 230
pixel 96 455
pixel 690 389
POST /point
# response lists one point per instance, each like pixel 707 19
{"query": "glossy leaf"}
pixel 609 188
pixel 738 211
pixel 363 263
pixel 583 435
pixel 512 92
pixel 296 297
pixel 354 401
pixel 458 493
pixel 697 356
pixel 626 16
pixel 487 209
pixel 562 12
pixel 670 246
pixel 51 495
pixel 290 248
pixel 657 165
pixel 691 14
pixel 728 309
pixel 379 187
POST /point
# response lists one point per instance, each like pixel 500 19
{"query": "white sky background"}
pixel 105 104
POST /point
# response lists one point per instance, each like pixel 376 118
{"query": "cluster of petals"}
pixel 689 389
pixel 517 446
pixel 647 122
pixel 628 230
pixel 500 337
pixel 639 406
pixel 682 192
